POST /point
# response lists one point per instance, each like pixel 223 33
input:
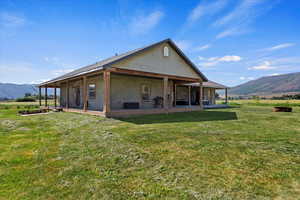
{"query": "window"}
pixel 146 92
pixel 166 51
pixel 92 91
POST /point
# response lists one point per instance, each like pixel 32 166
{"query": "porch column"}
pixel 175 94
pixel 166 106
pixel 46 96
pixel 67 95
pixel 200 95
pixel 85 99
pixel 106 103
pixel 40 96
pixel 55 98
pixel 213 91
pixel 189 95
pixel 226 96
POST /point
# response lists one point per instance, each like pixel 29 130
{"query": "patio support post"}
pixel 226 96
pixel 46 96
pixel 40 96
pixel 175 94
pixel 165 104
pixel 67 95
pixel 55 98
pixel 85 99
pixel 200 95
pixel 106 78
pixel 189 95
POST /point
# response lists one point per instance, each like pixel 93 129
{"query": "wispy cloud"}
pixel 243 78
pixel 264 66
pixel 144 23
pixel 237 21
pixel 203 47
pixel 213 61
pixel 10 20
pixel 280 46
pixel 206 9
pixel 231 32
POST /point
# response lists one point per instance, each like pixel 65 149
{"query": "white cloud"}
pixel 246 11
pixel 201 48
pixel 237 21
pixel 143 24
pixel 280 46
pixel 246 78
pixel 231 32
pixel 11 20
pixel 274 74
pixel 265 66
pixel 203 9
pixel 213 61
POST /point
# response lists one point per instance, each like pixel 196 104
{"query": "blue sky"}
pixel 231 41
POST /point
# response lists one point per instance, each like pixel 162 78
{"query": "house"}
pixel 157 78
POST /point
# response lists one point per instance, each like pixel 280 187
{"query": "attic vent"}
pixel 166 51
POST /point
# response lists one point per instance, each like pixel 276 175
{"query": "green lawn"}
pixel 246 152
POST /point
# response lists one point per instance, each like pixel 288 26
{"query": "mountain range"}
pixel 269 85
pixel 13 91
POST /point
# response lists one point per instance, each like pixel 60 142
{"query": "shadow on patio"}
pixel 181 117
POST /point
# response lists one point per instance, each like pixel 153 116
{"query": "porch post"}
pixel 55 97
pixel 84 94
pixel 165 105
pixel 106 78
pixel 226 96
pixel 175 95
pixel 200 95
pixel 67 95
pixel 213 91
pixel 189 95
pixel 46 96
pixel 40 96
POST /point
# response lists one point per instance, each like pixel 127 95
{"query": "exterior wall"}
pixel 182 93
pixel 154 61
pixel 126 88
pixel 96 103
pixel 93 104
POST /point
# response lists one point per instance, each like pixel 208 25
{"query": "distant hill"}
pixel 12 91
pixel 269 85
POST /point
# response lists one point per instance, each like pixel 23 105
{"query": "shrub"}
pixel 25 99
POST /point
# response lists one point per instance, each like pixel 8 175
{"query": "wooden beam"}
pixel 40 96
pixel 85 94
pixel 189 95
pixel 175 94
pixel 46 97
pixel 151 74
pixel 106 103
pixel 55 98
pixel 226 96
pixel 200 95
pixel 165 86
pixel 67 95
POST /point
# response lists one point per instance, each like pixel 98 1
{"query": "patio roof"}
pixel 210 84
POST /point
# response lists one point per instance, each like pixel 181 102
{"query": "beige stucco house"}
pixel 158 78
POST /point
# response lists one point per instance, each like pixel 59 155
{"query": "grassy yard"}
pixel 246 152
pixel 265 102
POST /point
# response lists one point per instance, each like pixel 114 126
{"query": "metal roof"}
pixel 109 61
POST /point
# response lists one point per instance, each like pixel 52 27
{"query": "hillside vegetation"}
pixel 239 153
pixel 269 85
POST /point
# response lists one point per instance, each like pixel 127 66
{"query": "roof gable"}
pixel 115 59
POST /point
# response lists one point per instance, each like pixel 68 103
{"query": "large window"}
pixel 92 91
pixel 146 92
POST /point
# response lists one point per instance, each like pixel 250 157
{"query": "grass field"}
pixel 247 152
pixel 264 102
